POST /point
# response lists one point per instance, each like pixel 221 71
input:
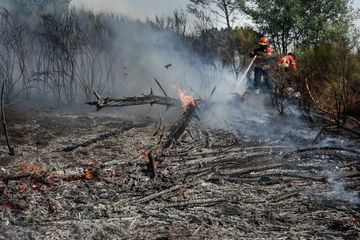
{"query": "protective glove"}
pixel 265 67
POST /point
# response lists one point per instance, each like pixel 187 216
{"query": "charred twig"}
pixel 292 175
pixel 11 148
pixel 158 194
pixel 196 202
pixel 162 89
pixel 212 93
pixel 92 141
pixel 252 169
pixel 152 166
pixel 102 137
pixel 285 196
pixel 320 133
pixel 132 101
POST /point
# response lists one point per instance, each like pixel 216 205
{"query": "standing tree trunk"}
pixel 227 14
pixel 11 148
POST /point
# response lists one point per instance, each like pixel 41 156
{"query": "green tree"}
pixel 299 22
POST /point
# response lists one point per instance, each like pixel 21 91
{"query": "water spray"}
pixel 246 72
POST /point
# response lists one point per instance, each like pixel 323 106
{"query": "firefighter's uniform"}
pixel 288 62
pixel 264 55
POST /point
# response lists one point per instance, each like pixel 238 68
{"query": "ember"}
pixel 31 168
pixel 89 173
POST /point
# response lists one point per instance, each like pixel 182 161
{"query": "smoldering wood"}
pixel 151 99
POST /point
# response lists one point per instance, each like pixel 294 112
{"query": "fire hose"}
pixel 245 73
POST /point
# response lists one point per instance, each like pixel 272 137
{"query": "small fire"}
pixel 186 100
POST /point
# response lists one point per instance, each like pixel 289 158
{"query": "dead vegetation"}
pixel 207 184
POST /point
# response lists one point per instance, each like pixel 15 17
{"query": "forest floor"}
pixel 82 174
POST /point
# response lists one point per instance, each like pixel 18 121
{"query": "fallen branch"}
pixel 133 101
pixel 103 137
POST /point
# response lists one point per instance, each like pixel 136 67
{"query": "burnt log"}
pixel 132 101
pixel 180 127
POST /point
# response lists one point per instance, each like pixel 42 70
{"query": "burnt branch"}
pixel 179 128
pixel 102 137
pixel 162 89
pixel 133 101
pixel 151 165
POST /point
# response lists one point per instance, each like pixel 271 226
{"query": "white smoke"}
pixel 336 193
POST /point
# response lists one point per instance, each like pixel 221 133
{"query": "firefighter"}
pixel 264 56
pixel 288 62
pixel 288 65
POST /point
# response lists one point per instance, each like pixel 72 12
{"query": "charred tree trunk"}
pixel 179 128
pixel 11 148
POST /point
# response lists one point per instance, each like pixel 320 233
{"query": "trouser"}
pixel 259 72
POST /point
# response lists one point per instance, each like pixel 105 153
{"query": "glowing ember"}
pixel 8 205
pixel 31 168
pixel 186 100
pixel 89 173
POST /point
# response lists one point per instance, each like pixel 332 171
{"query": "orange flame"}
pixel 186 100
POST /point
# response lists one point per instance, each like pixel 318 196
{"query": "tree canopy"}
pixel 298 22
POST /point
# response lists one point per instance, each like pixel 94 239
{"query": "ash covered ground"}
pixel 82 174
